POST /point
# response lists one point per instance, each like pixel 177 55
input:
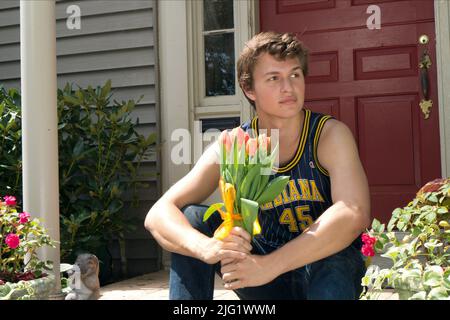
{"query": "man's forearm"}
pixel 335 230
pixel 173 232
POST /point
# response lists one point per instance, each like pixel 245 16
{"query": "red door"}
pixel 370 80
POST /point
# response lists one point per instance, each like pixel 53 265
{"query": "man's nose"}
pixel 286 85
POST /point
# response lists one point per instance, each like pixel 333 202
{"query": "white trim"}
pixel 442 25
pixel 174 83
pixel 40 122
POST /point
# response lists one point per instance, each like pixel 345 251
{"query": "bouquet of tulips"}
pixel 245 168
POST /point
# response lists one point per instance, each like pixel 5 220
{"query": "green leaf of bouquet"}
pixel 274 188
pixel 262 185
pixel 235 158
pixel 212 208
pixel 228 177
pixel 249 213
pixel 248 181
pixel 254 187
pixel 273 155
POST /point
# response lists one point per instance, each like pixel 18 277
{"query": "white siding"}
pixel 116 41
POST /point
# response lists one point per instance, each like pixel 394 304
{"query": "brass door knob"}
pixel 424 39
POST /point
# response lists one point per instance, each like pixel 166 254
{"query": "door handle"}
pixel 426 103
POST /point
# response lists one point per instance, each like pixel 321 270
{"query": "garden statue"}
pixel 83 278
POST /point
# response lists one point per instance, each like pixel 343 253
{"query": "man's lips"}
pixel 288 100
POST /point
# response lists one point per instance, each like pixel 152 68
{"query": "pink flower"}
pixel 225 139
pixel 368 251
pixel 264 143
pixel 368 246
pixel 246 137
pixel 367 239
pixel 252 145
pixel 12 240
pixel 239 134
pixel 10 201
pixel 24 217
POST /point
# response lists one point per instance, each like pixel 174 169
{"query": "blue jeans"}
pixel 337 277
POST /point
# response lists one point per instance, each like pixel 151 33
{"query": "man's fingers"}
pixel 238 284
pixel 228 268
pixel 229 277
pixel 224 262
pixel 231 254
pixel 242 247
pixel 239 241
pixel 240 232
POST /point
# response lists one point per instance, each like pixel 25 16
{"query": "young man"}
pixel 309 245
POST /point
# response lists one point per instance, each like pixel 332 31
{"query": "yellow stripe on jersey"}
pixel 301 144
pixel 316 143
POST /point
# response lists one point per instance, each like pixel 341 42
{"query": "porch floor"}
pixel 155 286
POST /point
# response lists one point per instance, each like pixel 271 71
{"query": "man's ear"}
pixel 250 94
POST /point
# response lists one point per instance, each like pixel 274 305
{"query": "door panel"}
pixel 369 79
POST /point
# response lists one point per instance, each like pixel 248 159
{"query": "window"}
pixel 218 30
pixel 218 43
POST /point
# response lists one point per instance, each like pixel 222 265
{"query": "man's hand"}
pixel 251 271
pixel 235 246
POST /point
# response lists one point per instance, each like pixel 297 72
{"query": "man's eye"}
pixel 295 75
pixel 273 78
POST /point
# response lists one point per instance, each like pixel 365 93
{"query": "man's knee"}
pixel 194 214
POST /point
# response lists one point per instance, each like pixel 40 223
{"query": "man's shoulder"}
pixel 335 131
pixel 334 125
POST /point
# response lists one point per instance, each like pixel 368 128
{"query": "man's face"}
pixel 278 87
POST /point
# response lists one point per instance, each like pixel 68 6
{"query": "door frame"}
pixel 442 27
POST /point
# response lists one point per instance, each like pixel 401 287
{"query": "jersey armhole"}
pixel 320 125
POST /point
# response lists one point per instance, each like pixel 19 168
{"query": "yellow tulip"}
pixel 256 227
pixel 229 196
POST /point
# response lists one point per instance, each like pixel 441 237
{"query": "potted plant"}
pixel 22 274
pixel 421 256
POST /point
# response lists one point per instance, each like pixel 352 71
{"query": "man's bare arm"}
pixel 349 215
pixel 173 231
pixel 333 231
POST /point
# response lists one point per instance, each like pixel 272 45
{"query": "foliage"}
pixel 421 259
pixel 245 169
pixel 20 236
pixel 100 153
pixel 10 142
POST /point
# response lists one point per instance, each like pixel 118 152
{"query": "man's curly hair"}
pixel 279 45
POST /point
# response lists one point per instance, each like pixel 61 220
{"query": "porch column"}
pixel 39 120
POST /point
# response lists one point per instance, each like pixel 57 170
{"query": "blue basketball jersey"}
pixel 308 192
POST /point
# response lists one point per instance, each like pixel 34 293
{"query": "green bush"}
pixel 10 143
pixel 100 153
pixel 421 258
